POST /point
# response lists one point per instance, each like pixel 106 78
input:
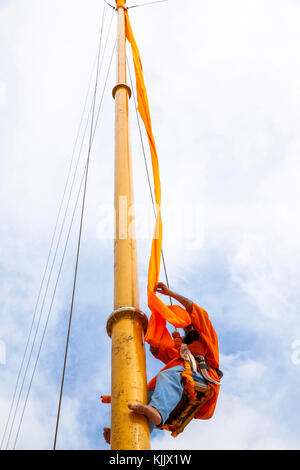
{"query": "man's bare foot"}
pixel 149 411
pixel 106 435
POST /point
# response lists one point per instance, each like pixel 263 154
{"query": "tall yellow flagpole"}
pixel 126 325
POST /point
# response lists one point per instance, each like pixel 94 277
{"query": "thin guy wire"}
pixel 64 252
pixel 145 4
pixel 58 242
pixel 48 258
pixel 136 6
pixel 55 255
pixel 49 277
pixel 111 6
pixel 79 242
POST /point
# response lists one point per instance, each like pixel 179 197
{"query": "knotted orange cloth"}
pixel 207 347
pixel 157 332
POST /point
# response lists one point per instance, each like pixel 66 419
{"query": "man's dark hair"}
pixel 191 336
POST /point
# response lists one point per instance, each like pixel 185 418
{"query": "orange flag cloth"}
pixel 157 332
pixel 121 3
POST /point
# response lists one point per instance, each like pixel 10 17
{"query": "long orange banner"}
pixel 157 332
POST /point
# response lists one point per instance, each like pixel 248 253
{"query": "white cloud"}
pixel 266 264
pixel 236 426
pixel 243 418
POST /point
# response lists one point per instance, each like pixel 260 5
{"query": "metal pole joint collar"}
pixel 121 85
pixel 128 312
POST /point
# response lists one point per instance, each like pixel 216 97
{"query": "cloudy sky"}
pixel 223 80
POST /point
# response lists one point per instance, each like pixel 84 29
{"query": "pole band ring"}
pixel 121 85
pixel 128 312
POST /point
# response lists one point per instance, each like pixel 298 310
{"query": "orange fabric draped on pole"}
pixel 157 333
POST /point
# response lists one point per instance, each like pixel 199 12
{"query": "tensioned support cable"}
pixel 79 241
pixel 146 4
pixel 54 233
pixel 61 264
pixel 64 252
pixel 136 6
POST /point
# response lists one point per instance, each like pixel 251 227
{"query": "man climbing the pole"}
pixel 199 348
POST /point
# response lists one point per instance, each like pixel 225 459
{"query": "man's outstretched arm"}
pixel 161 288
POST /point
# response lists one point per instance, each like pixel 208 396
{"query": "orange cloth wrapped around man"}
pixel 201 346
